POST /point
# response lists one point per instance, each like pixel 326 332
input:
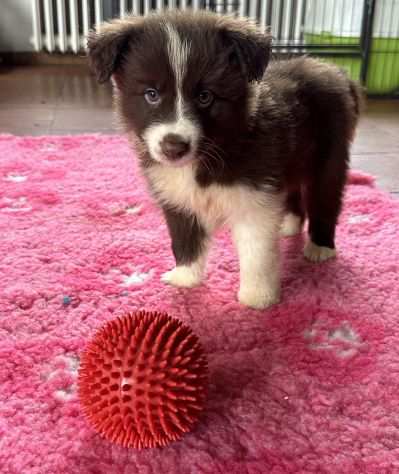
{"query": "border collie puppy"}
pixel 225 140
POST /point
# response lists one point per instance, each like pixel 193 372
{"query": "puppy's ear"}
pixel 107 45
pixel 251 47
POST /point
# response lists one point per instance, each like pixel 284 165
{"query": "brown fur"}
pixel 287 126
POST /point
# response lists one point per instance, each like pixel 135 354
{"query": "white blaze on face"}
pixel 182 125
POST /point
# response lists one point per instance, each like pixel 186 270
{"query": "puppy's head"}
pixel 183 80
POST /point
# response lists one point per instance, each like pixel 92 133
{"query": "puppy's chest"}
pixel 214 204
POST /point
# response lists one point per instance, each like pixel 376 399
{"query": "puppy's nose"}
pixel 174 146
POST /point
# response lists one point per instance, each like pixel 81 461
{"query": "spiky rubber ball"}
pixel 142 380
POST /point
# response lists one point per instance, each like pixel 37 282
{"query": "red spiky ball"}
pixel 142 380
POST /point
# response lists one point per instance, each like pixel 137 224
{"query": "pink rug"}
pixel 311 385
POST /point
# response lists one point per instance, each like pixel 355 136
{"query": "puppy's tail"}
pixel 357 93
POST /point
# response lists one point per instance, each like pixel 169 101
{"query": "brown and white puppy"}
pixel 225 140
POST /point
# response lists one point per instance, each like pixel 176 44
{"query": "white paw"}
pixel 183 276
pixel 291 225
pixel 258 297
pixel 315 254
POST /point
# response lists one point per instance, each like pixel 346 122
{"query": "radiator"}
pixel 62 25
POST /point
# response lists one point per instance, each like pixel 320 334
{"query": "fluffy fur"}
pixel 230 141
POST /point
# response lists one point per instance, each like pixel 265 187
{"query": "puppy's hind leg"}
pixel 324 201
pixel 294 215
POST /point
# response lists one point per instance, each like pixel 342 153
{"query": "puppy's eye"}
pixel 205 98
pixel 152 96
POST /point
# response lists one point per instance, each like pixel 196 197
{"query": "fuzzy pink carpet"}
pixel 311 385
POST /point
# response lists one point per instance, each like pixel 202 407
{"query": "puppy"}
pixel 225 138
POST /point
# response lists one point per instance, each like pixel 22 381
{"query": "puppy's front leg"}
pixel 189 245
pixel 256 239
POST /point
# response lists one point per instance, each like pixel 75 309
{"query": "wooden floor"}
pixel 66 100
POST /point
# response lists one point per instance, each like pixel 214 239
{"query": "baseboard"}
pixel 34 59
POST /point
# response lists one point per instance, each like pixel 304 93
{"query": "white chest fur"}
pixel 214 205
pixel 253 216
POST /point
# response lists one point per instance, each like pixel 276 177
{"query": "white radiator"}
pixel 62 25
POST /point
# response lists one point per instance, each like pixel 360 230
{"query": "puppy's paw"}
pixel 316 254
pixel 183 277
pixel 258 297
pixel 291 225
